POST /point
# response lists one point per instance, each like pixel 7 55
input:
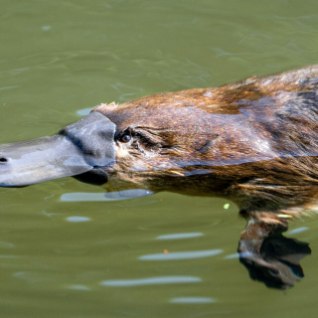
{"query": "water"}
pixel 156 256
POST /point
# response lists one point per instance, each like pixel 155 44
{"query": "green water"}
pixel 103 259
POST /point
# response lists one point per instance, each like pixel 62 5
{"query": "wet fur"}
pixel 254 142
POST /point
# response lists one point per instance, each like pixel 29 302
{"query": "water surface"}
pixel 157 256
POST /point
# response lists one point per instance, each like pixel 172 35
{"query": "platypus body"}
pixel 254 142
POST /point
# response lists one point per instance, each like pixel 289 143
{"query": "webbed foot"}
pixel 270 257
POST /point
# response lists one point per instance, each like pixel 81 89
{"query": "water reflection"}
pixel 298 230
pixel 6 245
pixel 79 287
pixel 160 280
pixel 232 256
pixel 168 256
pixel 83 112
pixel 78 219
pixel 179 236
pixel 104 196
pixel 5 256
pixel 272 258
pixel 193 300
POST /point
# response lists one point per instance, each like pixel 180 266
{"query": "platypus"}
pixel 254 142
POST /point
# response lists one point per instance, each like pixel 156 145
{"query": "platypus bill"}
pixel 254 142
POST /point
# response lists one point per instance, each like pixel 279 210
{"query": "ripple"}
pixel 104 196
pixel 180 255
pixel 78 219
pixel 160 280
pixel 193 300
pixel 232 256
pixel 83 111
pixel 6 245
pixel 5 88
pixel 6 256
pixel 79 287
pixel 46 28
pixel 179 236
pixel 298 230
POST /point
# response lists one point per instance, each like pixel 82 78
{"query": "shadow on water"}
pixel 273 259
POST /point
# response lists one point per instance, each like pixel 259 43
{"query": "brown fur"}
pixel 254 142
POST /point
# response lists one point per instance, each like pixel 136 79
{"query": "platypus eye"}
pixel 125 136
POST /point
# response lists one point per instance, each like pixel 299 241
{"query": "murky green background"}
pixel 100 259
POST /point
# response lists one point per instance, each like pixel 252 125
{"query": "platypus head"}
pixel 147 143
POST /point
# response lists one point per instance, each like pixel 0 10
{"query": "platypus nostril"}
pixel 3 160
